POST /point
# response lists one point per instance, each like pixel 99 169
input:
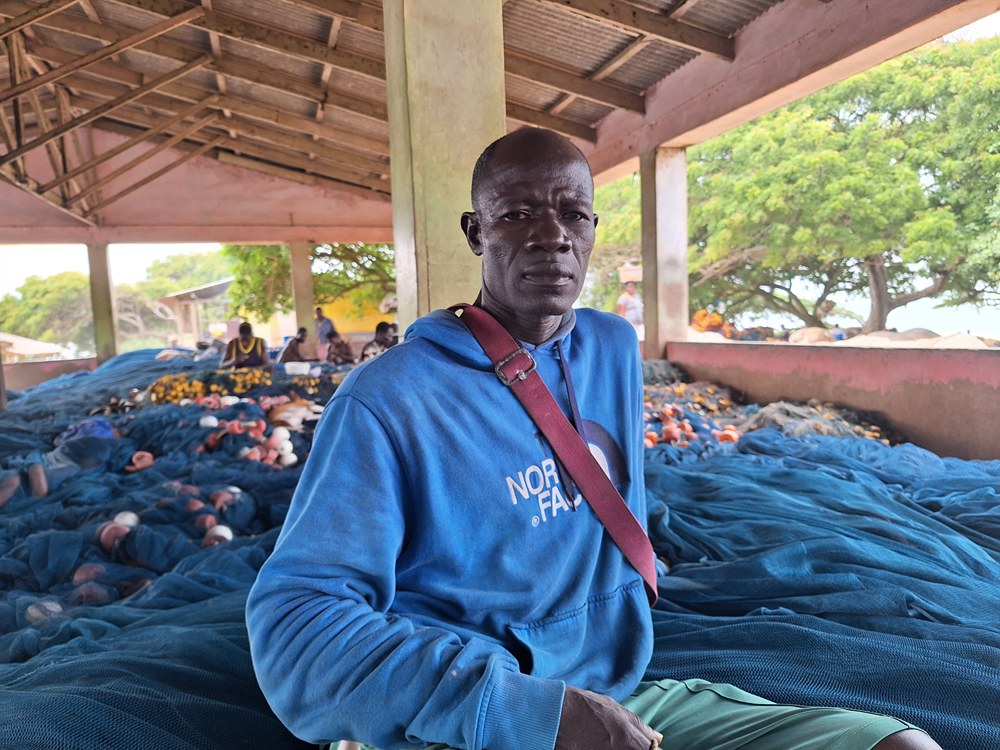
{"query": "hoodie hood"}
pixel 446 329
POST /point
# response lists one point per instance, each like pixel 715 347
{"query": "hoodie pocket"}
pixel 599 644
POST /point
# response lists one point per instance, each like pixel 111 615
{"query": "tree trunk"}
pixel 878 287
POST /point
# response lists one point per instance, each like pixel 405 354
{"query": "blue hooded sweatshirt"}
pixel 438 579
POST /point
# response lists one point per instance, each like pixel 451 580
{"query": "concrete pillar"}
pixel 664 247
pixel 302 293
pixel 445 78
pixel 102 302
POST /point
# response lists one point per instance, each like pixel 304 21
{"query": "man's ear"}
pixel 470 227
pixel 596 217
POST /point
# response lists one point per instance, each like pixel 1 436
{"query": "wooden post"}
pixel 102 300
pixel 438 125
pixel 664 248
pixel 302 292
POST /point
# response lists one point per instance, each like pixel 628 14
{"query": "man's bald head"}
pixel 524 146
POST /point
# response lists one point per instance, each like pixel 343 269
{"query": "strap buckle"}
pixel 520 374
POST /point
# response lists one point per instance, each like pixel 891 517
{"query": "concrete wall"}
pixel 21 375
pixel 947 401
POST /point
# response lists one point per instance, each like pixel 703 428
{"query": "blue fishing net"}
pixel 834 571
pixel 812 570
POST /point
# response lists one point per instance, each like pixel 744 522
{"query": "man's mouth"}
pixel 548 276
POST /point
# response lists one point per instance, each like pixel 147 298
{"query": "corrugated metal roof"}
pixel 361 41
pixel 727 16
pixel 531 94
pixel 587 112
pixel 278 15
pixel 568 38
pixel 652 64
pixel 564 38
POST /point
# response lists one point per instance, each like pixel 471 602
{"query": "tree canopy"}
pixel 882 186
pixel 365 273
pixel 54 309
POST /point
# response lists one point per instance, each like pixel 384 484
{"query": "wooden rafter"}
pixel 271 154
pixel 155 176
pixel 229 67
pixel 126 145
pixel 520 64
pixel 190 92
pixel 29 186
pixel 688 5
pixel 235 27
pixel 143 158
pixel 102 110
pixel 636 46
pixel 268 163
pixel 102 54
pixel 657 25
pixel 37 13
pixel 543 120
pixel 181 94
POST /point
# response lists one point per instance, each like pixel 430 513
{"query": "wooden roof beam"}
pixel 125 146
pixel 636 46
pixel 155 176
pixel 688 5
pixel 143 158
pixel 364 185
pixel 37 13
pixel 365 164
pixel 104 109
pixel 128 43
pixel 29 186
pixel 229 67
pixel 522 65
pixel 316 175
pixel 190 92
pixel 657 25
pixel 552 122
pixel 246 30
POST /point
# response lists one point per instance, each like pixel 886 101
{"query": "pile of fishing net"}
pixel 809 569
pixel 122 594
pixel 829 571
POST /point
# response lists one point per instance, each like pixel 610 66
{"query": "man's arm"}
pixel 333 661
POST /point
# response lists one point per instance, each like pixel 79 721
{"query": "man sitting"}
pixel 292 351
pixel 381 343
pixel 339 351
pixel 246 351
pixel 439 578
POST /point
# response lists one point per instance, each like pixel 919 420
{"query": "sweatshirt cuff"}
pixel 523 712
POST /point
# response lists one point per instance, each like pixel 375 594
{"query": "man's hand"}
pixel 591 721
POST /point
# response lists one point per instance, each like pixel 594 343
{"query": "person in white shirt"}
pixel 630 307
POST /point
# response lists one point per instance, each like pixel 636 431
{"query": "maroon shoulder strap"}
pixel 516 369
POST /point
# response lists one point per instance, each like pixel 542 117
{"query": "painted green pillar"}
pixel 663 172
pixel 445 79
pixel 102 301
pixel 302 293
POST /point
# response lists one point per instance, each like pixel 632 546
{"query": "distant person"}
pixel 631 307
pixel 246 350
pixel 339 351
pixel 323 325
pixel 395 333
pixel 381 343
pixel 292 351
pixel 838 333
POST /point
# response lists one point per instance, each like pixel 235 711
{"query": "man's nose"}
pixel 549 234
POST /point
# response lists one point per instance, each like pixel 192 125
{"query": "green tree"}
pixel 55 309
pixel 880 186
pixel 365 273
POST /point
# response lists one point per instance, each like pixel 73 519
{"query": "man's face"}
pixel 319 313
pixel 534 229
pixel 384 337
pixel 301 336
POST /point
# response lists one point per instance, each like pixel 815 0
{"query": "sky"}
pixel 129 262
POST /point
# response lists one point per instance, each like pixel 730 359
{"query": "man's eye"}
pixel 517 215
pixel 576 216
